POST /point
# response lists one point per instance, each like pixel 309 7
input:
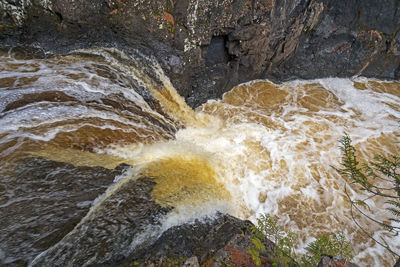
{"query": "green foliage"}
pixel 369 178
pixel 333 245
pixel 378 178
pixel 284 250
pixel 255 251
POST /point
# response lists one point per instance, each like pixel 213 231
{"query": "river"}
pixel 264 148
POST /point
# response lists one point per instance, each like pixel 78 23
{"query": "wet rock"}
pixel 221 43
pixel 200 239
pixel 191 262
pixel 335 262
pixel 42 202
pixel 210 242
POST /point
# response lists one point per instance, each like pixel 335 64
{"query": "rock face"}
pixel 208 46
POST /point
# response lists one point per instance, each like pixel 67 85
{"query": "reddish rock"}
pixel 335 262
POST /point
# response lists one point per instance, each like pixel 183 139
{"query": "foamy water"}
pixel 284 142
pixel 274 148
pixel 263 148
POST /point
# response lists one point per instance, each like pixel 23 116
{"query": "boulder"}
pixel 210 242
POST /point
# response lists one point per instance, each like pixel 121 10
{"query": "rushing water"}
pixel 263 148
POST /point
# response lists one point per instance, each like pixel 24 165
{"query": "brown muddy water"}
pixel 263 148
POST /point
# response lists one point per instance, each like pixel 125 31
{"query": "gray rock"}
pixel 191 262
pixel 200 238
pixel 335 262
pixel 221 43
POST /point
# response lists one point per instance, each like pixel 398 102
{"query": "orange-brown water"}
pixel 263 148
pixel 285 139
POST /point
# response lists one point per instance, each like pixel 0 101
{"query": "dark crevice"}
pixel 59 16
pixel 216 52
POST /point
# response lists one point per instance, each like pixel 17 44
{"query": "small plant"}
pixel 255 251
pixel 284 250
pixel 284 241
pixel 333 245
pixel 369 178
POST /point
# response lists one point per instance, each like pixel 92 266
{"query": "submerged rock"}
pixel 209 46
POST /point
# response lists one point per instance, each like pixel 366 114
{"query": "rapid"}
pixel 264 148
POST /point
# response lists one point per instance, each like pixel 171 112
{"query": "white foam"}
pixel 229 143
pixel 284 171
